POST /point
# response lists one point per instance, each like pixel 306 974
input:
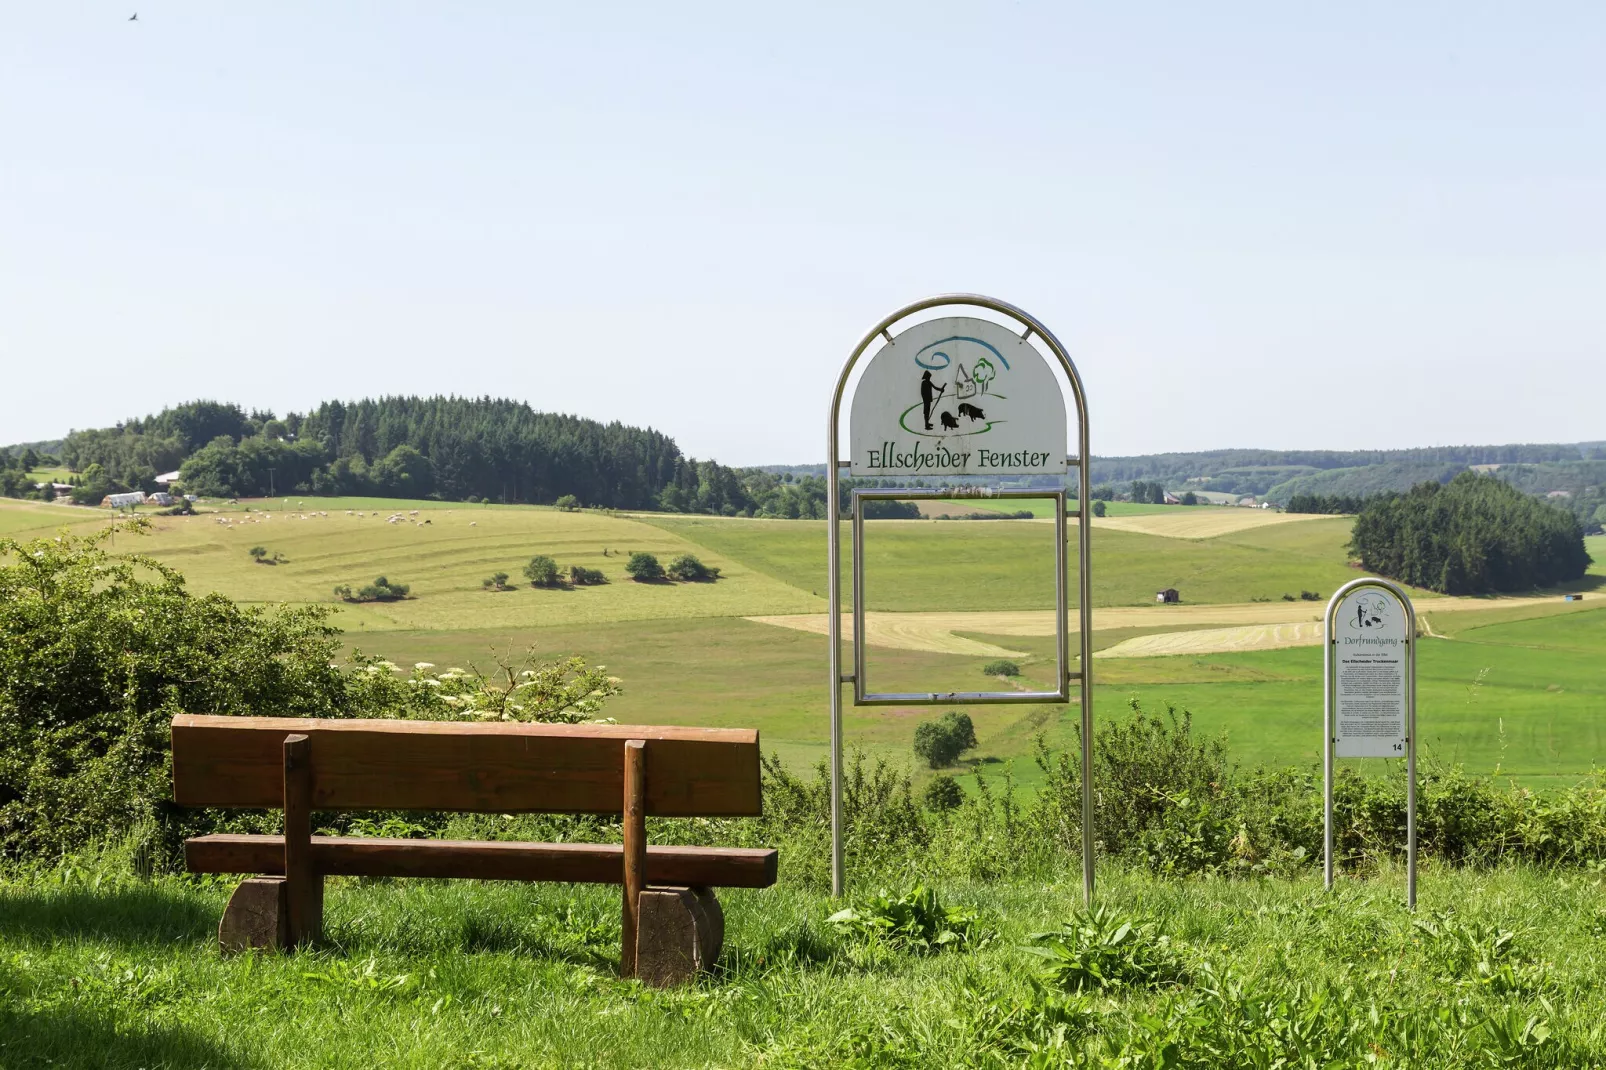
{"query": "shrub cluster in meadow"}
pixel 383 589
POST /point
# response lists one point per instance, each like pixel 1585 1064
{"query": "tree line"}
pixel 451 448
pixel 1326 504
pixel 1474 535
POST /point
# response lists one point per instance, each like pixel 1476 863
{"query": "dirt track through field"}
pixel 1246 626
pixel 1201 522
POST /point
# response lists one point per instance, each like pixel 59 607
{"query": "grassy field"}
pixel 1001 564
pixel 1515 687
pixel 1496 969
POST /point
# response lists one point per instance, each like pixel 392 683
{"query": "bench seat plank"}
pixel 587 863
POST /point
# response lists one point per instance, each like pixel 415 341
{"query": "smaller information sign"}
pixel 1370 644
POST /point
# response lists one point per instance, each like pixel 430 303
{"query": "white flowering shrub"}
pixel 565 691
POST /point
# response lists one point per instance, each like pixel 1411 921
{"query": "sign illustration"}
pixel 957 396
pixel 1369 675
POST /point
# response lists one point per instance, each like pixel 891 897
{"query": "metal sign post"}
pixel 958 396
pixel 1369 697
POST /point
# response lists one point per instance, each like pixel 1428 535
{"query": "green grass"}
pixel 101 970
pixel 915 564
pixel 1535 713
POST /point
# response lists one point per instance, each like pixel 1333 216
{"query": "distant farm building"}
pixel 1168 595
pixel 167 477
pixel 1247 502
pixel 123 501
pixel 161 497
pixel 1172 499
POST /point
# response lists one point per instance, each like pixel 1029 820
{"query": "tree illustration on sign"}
pixel 983 373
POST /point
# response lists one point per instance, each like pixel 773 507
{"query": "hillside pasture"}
pixel 1007 559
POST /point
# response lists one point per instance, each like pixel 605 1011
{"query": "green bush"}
pixel 1099 508
pixel 568 503
pixel 1000 668
pixel 644 567
pixel 381 590
pixel 496 581
pixel 542 571
pixel 581 576
pixel 944 793
pixel 687 569
pixel 97 653
pixel 890 509
pixel 941 742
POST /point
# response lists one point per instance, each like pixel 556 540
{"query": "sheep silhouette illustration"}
pixel 972 412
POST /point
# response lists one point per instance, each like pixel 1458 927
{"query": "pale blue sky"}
pixel 1377 224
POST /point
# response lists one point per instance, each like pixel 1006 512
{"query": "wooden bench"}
pixel 672 923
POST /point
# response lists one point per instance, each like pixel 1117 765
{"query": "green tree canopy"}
pixel 1474 535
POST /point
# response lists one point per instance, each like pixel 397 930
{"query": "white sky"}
pixel 1363 226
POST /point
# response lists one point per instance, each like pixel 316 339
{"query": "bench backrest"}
pixel 447 765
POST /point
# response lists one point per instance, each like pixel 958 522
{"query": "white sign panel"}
pixel 957 397
pixel 1369 674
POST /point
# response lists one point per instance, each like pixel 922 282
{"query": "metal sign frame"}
pixel 1330 732
pixel 1081 459
pixel 1063 672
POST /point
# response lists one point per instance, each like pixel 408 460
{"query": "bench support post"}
pixel 303 884
pixel 635 851
pixel 682 931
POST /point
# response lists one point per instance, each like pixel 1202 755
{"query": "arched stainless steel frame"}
pixel 1330 736
pixel 1084 673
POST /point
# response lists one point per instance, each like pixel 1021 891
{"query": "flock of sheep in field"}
pixel 409 517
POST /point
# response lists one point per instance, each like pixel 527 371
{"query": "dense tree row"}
pixel 1474 535
pixel 446 447
pixel 1325 504
pixel 443 447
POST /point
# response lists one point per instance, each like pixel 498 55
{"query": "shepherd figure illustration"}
pixel 929 393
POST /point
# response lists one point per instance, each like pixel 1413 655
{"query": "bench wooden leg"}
pixel 635 851
pixel 682 932
pixel 255 918
pixel 303 884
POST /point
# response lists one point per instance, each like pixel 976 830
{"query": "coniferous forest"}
pixel 1474 535
pixel 451 448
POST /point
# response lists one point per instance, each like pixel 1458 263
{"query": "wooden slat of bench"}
pixel 581 863
pixel 484 767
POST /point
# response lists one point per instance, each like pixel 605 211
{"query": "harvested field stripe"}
pixel 1217 641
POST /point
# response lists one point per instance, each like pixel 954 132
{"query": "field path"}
pixel 1201 522
pixel 1246 626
